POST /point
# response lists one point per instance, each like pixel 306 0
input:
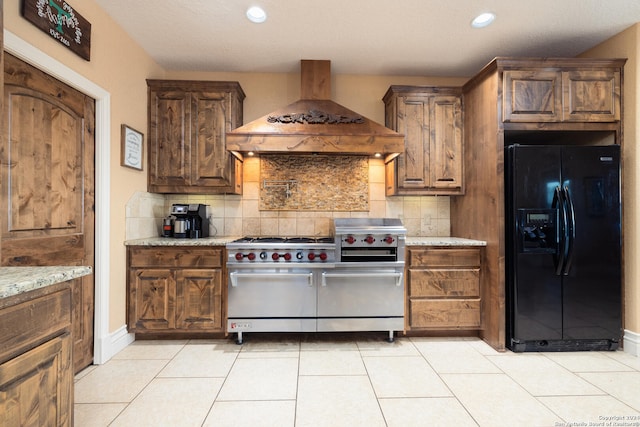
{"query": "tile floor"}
pixel 336 380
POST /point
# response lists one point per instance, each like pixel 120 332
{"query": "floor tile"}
pixel 331 362
pixel 156 349
pixel 171 402
pixel 328 344
pixel 583 410
pixel 404 376
pixel 543 377
pixel 279 413
pixel 269 345
pixel 421 412
pixel 455 357
pixel 261 379
pixel 96 414
pixel 496 400
pixel 202 360
pixel 84 372
pixel 379 347
pixel 625 358
pixel 337 401
pixel 587 361
pixel 117 381
pixel 624 386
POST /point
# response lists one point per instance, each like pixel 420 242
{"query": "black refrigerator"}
pixel 563 247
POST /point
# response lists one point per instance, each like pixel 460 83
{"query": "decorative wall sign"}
pixel 58 19
pixel 132 148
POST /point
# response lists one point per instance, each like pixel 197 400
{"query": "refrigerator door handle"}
pixel 571 231
pixel 558 203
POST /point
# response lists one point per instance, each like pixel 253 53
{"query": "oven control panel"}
pixel 283 255
pixel 369 240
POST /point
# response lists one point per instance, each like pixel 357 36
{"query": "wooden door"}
pixel 413 121
pixel 591 95
pixel 152 303
pixel 532 96
pixel 445 161
pixel 47 183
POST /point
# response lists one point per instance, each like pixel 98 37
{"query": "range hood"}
pixel 315 124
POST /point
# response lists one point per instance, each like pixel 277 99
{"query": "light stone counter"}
pixel 443 241
pixel 221 241
pixel 170 241
pixel 16 280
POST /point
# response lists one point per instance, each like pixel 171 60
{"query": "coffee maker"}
pixel 191 220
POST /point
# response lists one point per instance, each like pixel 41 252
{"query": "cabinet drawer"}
pixel 444 257
pixel 444 283
pixel 182 256
pixel 449 314
pixel 26 323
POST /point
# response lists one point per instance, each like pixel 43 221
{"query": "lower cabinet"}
pixel 175 289
pixel 443 288
pixel 36 374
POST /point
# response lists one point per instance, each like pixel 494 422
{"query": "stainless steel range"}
pixel 350 282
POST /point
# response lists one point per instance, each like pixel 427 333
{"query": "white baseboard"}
pixel 112 344
pixel 632 342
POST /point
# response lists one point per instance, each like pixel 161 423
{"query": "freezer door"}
pixel 534 290
pixel 592 286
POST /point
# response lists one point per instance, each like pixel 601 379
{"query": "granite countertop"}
pixel 443 241
pixel 16 280
pixel 221 241
pixel 170 241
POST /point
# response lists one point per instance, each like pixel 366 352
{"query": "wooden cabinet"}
pixel 561 95
pixel 175 289
pixel 188 121
pixel 36 368
pixel 525 101
pixel 443 288
pixel 431 120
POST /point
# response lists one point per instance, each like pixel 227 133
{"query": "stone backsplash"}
pixel 314 183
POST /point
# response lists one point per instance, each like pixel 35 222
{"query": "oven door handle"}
pixel 396 275
pixel 234 275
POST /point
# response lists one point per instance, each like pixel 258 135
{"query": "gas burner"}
pixel 287 240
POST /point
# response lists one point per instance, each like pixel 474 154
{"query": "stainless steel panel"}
pixel 352 292
pixel 271 325
pixel 365 324
pixel 271 293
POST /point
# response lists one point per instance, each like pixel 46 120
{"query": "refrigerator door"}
pixel 592 284
pixel 534 291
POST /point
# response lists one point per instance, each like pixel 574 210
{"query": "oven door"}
pixel 271 300
pixel 361 299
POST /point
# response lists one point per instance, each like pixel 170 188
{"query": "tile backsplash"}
pixel 233 215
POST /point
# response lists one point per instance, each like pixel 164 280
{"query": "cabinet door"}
pixel 36 387
pixel 413 121
pixel 591 95
pixel 169 147
pixel 213 165
pixel 532 96
pixel 199 299
pixel 151 299
pixel 445 160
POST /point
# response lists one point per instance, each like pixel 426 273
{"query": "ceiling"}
pixel 380 37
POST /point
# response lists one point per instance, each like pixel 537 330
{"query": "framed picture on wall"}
pixel 132 148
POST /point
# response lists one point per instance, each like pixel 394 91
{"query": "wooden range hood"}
pixel 315 124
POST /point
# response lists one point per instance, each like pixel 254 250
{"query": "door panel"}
pixel 592 290
pixel 47 184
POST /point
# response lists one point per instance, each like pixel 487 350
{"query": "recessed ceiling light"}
pixel 256 14
pixel 483 20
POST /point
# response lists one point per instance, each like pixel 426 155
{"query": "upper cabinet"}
pixel 535 91
pixel 431 120
pixel 188 121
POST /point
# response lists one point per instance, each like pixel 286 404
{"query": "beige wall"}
pixel 627 45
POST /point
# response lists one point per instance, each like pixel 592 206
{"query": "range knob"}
pixel 263 255
pixel 369 239
pixel 239 256
pixel 275 256
pixel 389 240
pixel 323 256
pixel 350 240
pixel 311 256
pixel 251 256
pixel 299 255
pixel 287 256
